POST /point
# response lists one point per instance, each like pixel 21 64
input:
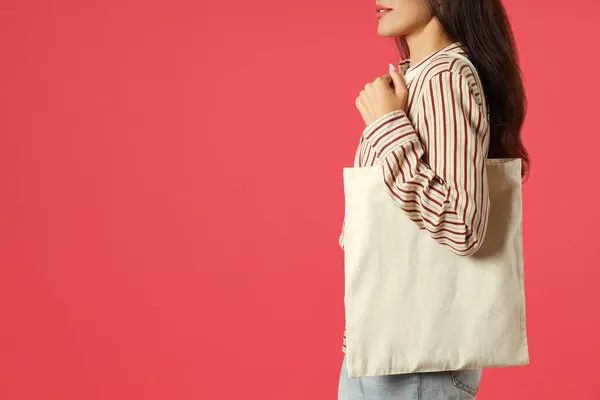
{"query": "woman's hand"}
pixel 378 98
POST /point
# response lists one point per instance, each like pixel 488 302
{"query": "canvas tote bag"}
pixel 411 304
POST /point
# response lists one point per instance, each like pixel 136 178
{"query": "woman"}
pixel 425 126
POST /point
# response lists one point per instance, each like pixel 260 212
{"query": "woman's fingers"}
pixel 398 79
pixel 363 106
pixel 400 88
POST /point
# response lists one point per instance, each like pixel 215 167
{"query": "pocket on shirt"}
pixel 467 380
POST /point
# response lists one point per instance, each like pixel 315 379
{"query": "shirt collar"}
pixel 412 71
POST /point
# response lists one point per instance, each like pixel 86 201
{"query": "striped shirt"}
pixel 433 154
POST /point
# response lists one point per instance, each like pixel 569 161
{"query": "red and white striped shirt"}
pixel 433 154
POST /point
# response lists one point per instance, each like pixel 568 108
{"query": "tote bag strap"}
pixel 476 75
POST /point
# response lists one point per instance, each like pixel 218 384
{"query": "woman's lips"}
pixel 381 14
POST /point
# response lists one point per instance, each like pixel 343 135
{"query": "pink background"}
pixel 171 202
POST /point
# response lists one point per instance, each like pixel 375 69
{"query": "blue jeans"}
pixel 446 385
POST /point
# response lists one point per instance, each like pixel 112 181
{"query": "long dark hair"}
pixel 482 26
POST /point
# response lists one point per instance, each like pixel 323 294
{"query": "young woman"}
pixel 425 126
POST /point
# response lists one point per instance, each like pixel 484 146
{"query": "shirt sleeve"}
pixel 440 179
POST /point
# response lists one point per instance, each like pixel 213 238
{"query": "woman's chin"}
pixel 386 31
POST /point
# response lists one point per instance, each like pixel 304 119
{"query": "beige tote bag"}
pixel 411 304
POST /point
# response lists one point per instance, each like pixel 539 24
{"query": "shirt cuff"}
pixel 388 132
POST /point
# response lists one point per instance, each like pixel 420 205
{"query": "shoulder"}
pixel 453 70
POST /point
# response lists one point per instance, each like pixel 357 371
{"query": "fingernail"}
pixel 392 66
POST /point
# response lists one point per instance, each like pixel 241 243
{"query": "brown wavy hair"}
pixel 483 27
